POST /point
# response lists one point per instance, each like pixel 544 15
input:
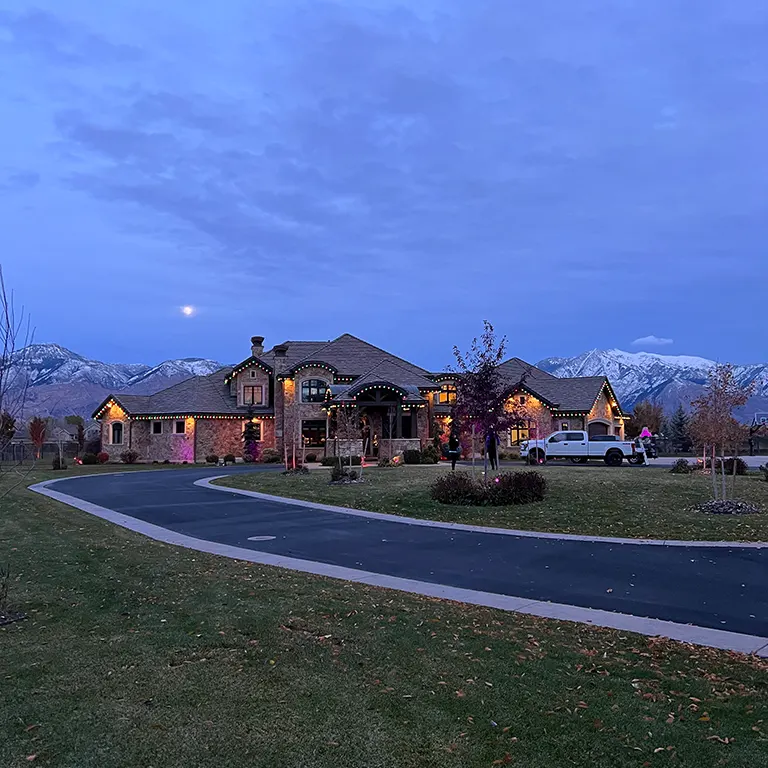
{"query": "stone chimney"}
pixel 257 345
pixel 280 350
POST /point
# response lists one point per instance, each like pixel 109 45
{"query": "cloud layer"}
pixel 652 341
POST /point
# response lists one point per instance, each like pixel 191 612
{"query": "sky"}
pixel 583 174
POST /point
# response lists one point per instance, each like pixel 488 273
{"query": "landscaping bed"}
pixel 138 653
pixel 640 502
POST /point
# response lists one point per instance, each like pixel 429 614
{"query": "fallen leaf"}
pixel 30 758
pixel 31 727
pixel 720 739
pixel 670 719
pixel 704 719
pixel 460 694
pixel 506 760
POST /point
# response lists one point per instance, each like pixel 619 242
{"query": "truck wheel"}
pixel 614 458
pixel 578 460
pixel 536 457
pixel 636 459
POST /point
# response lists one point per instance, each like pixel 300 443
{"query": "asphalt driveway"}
pixel 718 588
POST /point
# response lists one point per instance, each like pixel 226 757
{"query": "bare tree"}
pixel 15 339
pixel 713 425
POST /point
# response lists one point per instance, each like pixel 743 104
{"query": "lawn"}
pixel 140 654
pixel 641 502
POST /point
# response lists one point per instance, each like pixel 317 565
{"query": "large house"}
pixel 299 393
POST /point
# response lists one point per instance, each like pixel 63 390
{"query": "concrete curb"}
pixel 715 638
pixel 207 482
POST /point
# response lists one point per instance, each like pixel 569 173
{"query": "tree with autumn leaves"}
pixel 713 426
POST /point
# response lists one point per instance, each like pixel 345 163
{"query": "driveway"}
pixel 723 589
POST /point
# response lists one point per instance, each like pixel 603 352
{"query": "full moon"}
pixel 188 310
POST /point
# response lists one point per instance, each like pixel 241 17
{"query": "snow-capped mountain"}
pixel 667 379
pixel 61 382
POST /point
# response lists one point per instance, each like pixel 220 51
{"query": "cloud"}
pixel 652 341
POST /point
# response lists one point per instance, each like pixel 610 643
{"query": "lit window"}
pixel 565 425
pixel 157 427
pixel 117 433
pixel 447 395
pixel 253 395
pixel 313 391
pixel 180 427
pixel 313 433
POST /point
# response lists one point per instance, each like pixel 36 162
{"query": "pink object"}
pixel 646 432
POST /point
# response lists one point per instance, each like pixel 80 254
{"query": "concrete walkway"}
pixel 713 595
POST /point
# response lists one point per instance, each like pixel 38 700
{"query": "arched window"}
pixel 117 433
pixel 313 391
pixel 447 395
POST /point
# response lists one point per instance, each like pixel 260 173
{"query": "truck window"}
pixel 560 437
pixel 574 437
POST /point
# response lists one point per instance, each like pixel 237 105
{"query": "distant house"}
pixel 292 393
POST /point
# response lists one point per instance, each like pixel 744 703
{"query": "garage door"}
pixel 597 428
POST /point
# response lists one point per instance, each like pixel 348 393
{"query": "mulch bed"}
pixel 728 507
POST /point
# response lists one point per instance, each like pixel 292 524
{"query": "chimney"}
pixel 257 345
pixel 280 350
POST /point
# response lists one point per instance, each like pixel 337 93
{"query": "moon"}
pixel 187 310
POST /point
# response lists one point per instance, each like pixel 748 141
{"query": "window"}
pixel 157 427
pixel 523 399
pixel 253 395
pixel 313 391
pixel 179 427
pixel 406 429
pixel 256 429
pixel 447 394
pixel 313 433
pixel 518 434
pixel 560 437
pixel 574 437
pixel 117 433
pixel 253 373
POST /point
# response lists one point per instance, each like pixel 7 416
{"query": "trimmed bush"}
pixel 682 467
pixel 229 459
pixel 310 458
pixel 166 461
pixel 461 488
pixel 515 488
pixel 430 455
pixel 330 461
pixel 103 457
pixel 741 466
pixel 59 463
pixel 457 488
pixel 90 458
pixel 764 470
pixel 212 458
pixel 270 456
pixel 129 457
pixel 412 456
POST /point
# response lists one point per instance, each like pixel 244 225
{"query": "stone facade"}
pixel 603 413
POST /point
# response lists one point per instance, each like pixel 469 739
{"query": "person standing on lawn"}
pixel 492 448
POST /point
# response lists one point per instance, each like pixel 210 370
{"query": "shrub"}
pixel 90 458
pixel 516 488
pixel 342 474
pixel 103 457
pixel 129 457
pixel 270 456
pixel 166 461
pixel 430 455
pixel 59 463
pixel 461 488
pixel 299 470
pixel 741 466
pixel 682 467
pixel 310 458
pixel 331 461
pixel 457 488
pixel 412 456
pixel 229 459
pixel 212 458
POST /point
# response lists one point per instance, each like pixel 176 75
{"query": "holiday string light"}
pixel 249 363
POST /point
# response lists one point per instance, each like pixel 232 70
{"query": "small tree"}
pixel 645 414
pixel 7 426
pixel 481 397
pixel 37 429
pixel 348 429
pixel 250 440
pixel 713 425
pixel 679 436
pixel 80 438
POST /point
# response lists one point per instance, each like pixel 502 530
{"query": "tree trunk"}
pixel 473 447
pixel 722 472
pixel 485 460
pixel 711 469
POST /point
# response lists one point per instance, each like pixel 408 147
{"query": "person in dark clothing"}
pixel 491 448
pixel 454 448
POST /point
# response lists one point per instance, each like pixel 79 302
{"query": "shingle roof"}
pixel 577 394
pixel 296 350
pixel 388 372
pixel 200 394
pixel 352 356
pixel 515 368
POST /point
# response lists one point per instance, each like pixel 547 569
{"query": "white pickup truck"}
pixel 577 447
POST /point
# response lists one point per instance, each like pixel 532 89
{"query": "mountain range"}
pixel 61 382
pixel 670 380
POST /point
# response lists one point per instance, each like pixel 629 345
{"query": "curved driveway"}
pixel 723 588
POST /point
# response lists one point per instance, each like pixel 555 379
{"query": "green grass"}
pixel 639 502
pixel 140 654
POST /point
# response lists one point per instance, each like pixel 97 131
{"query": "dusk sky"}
pixel 583 173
